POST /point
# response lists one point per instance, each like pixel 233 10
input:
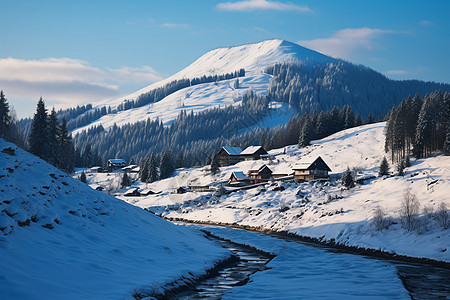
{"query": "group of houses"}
pixel 115 165
pixel 231 155
pixel 304 170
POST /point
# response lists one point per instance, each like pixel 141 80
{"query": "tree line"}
pixel 320 87
pixel 419 126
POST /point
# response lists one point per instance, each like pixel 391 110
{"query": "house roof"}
pixel 232 150
pixel 239 175
pixel 117 161
pixel 262 167
pixel 250 150
pixel 307 164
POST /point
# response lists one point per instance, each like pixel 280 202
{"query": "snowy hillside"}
pixel 252 57
pixel 60 239
pixel 323 209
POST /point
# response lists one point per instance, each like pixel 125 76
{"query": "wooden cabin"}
pixel 253 153
pixel 306 170
pixel 229 156
pixel 263 173
pixel 238 178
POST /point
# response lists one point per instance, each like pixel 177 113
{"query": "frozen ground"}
pixel 322 210
pixel 60 239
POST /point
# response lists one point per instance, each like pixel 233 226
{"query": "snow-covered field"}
pixel 322 209
pixel 252 57
pixel 60 239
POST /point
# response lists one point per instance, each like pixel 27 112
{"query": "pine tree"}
pixel 236 84
pixel 143 170
pixel 38 139
pixel 125 180
pixel 215 164
pixel 67 152
pixel 401 168
pixel 384 167
pixel 88 157
pixel 306 132
pixel 166 166
pixel 5 117
pixel 407 162
pixel 349 117
pixel 152 169
pixel 358 120
pixel 83 178
pixel 369 119
pixel 347 179
pixel 447 142
pixel 53 139
pixel 180 160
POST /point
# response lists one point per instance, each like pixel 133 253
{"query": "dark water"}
pixel 238 273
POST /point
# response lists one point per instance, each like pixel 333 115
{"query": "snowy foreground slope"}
pixel 252 57
pixel 323 210
pixel 60 239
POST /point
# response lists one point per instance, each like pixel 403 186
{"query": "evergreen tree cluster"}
pixel 50 140
pixel 9 126
pixel 158 94
pixel 321 87
pixel 420 126
pixel 194 136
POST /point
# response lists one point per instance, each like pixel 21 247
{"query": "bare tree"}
pixel 379 220
pixel 409 211
pixel 442 215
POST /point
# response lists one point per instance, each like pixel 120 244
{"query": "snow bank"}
pixel 61 239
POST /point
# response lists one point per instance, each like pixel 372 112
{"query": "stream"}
pixel 299 271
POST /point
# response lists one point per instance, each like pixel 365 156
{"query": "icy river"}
pixel 287 269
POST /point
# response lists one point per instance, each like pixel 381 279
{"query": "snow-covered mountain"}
pixel 252 57
pixel 60 239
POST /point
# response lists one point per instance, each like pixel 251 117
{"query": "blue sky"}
pixel 77 52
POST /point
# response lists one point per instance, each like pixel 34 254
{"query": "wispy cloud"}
pixel 175 25
pixel 347 42
pixel 66 80
pixel 251 5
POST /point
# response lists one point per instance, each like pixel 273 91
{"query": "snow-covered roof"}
pixel 306 164
pixel 233 150
pixel 239 175
pixel 262 167
pixel 250 150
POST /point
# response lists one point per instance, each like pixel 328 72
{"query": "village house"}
pixel 253 153
pixel 262 174
pixel 311 170
pixel 232 155
pixel 229 156
pixel 238 178
pixel 115 164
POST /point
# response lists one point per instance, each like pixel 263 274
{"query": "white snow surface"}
pixel 317 209
pixel 93 246
pixel 252 57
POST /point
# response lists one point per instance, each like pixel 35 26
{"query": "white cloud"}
pixel 66 80
pixel 175 25
pixel 347 42
pixel 250 5
pixel 426 23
